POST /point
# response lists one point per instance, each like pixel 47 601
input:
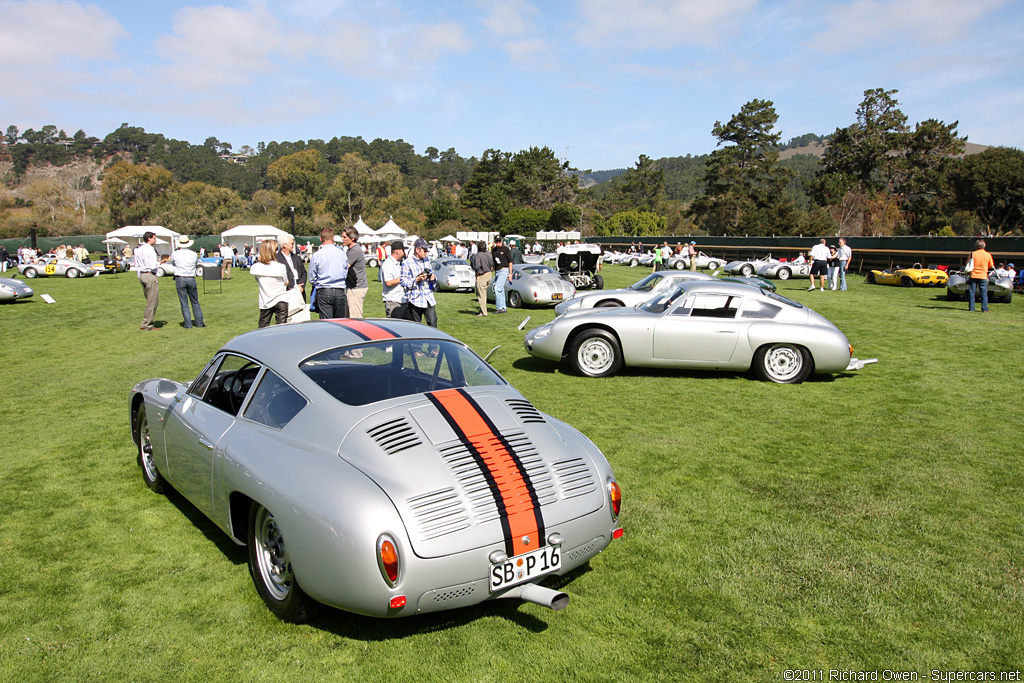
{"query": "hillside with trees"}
pixel 878 175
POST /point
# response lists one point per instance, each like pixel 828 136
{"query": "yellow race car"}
pixel 908 277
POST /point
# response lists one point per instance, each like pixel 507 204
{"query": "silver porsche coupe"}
pixel 380 467
pixel 637 293
pixel 534 284
pixel 699 324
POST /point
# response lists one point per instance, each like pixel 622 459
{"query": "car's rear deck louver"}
pixel 574 478
pixel 438 513
pixel 524 410
pixel 394 436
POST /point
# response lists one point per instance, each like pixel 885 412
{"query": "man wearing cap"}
pixel 328 269
pixel 483 264
pixel 502 258
pixel 692 249
pixel 417 280
pixel 391 277
pixel 184 261
pixel 147 265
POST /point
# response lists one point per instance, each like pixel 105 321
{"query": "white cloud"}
pixel 397 51
pixel 216 46
pixel 512 19
pixel 656 24
pixel 925 22
pixel 45 32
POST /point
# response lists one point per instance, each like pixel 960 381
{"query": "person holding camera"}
pixel 418 281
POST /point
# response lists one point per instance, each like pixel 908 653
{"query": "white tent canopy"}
pixel 241 235
pixel 362 227
pixel 391 228
pixel 132 234
pixel 449 238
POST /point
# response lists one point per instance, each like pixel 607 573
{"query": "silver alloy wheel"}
pixel 747 270
pixel 146 448
pixel 271 556
pixel 783 362
pixel 595 355
pixel 515 299
pixel 784 273
pixel 73 272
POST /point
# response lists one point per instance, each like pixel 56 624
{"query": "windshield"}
pixel 535 270
pixel 647 284
pixel 377 371
pixel 662 301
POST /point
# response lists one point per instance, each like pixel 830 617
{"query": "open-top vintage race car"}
pixel 908 277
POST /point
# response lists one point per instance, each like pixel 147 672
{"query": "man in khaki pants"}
pixel 483 264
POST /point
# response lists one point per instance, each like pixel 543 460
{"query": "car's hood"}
pixel 456 462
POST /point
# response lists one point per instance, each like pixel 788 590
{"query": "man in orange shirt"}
pixel 983 263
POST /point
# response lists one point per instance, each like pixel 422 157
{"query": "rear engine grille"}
pixel 574 478
pixel 438 513
pixel 394 436
pixel 524 410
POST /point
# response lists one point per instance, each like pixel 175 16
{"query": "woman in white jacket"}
pixel 272 279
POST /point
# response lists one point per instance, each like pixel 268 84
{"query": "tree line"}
pixel 879 175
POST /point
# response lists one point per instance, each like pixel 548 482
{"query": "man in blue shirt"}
pixel 417 281
pixel 328 269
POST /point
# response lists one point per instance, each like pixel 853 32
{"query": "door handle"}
pixel 206 443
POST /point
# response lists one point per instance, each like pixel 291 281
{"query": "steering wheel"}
pixel 237 389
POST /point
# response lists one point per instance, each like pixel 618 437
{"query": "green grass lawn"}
pixel 866 521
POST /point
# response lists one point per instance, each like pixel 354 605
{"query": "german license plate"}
pixel 523 568
pixel 557 296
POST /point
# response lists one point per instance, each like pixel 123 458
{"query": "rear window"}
pixel 378 371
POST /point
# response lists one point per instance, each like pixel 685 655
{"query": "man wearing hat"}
pixel 502 258
pixel 418 281
pixel 692 250
pixel 184 261
pixel 391 277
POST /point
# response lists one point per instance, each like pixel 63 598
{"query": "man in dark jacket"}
pixel 292 264
pixel 502 259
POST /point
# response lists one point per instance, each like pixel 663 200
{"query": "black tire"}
pixel 679 264
pixel 598 282
pixel 634 262
pixel 953 296
pixel 72 272
pixel 714 265
pixel 30 273
pixel 1005 299
pixel 870 278
pixel 785 273
pixel 150 474
pixel 747 270
pixel 515 299
pixel 271 569
pixel 905 281
pixel 595 353
pixel 783 363
pixel 610 303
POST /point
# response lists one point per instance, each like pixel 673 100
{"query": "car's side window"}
pixel 759 309
pixel 274 403
pixel 685 307
pixel 231 382
pixel 715 306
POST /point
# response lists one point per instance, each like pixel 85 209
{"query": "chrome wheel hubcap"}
pixel 595 356
pixel 272 557
pixel 783 362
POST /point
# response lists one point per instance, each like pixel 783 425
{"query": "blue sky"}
pixel 598 81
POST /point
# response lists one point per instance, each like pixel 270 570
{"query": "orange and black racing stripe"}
pixel 367 330
pixel 518 507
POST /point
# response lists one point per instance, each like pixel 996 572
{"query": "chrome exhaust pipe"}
pixel 539 595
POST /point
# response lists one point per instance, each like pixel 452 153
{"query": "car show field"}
pixel 858 521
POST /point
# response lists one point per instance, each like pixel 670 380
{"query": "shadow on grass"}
pixel 237 554
pixel 358 627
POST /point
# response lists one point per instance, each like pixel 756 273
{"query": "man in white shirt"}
pixel 819 263
pixel 845 254
pixel 146 266
pixel 391 278
pixel 228 254
pixel 184 261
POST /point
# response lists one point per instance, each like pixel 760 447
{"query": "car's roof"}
pixel 288 345
pixel 720 286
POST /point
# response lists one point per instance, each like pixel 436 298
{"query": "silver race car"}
pixel 785 270
pixel 534 284
pixel 636 293
pixel 380 467
pixel 749 267
pixel 49 265
pixel 699 324
pixel 1000 289
pixel 703 261
pixel 453 274
pixel 12 289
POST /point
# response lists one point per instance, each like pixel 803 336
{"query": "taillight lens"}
pixel 387 559
pixel 615 496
